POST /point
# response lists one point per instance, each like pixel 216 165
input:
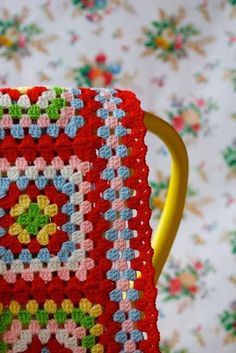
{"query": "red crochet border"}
pixel 140 202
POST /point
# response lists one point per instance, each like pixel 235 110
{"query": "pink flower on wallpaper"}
pixel 192 117
pixel 198 265
pixel 175 286
pixel 21 40
pixel 178 42
pixel 178 123
pixel 201 103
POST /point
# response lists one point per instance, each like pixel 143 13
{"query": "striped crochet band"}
pixel 75 256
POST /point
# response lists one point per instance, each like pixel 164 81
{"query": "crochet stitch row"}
pixel 54 104
pixel 75 256
pixel 64 321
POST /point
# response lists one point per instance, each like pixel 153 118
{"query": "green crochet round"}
pixel 52 112
pixel 88 341
pixel 77 315
pixel 34 111
pixel 42 317
pixel 5 320
pixel 60 316
pixel 15 111
pixel 59 103
pixel 33 219
pixel 24 317
pixel 87 322
pixel 58 90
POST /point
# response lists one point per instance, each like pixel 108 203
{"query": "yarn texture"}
pixel 76 270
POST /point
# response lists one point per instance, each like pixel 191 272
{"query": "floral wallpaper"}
pixel 179 57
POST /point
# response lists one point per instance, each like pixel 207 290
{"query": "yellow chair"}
pixel 165 233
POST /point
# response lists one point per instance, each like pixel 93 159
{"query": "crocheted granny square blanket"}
pixel 75 256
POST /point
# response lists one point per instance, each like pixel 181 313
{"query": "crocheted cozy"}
pixel 75 256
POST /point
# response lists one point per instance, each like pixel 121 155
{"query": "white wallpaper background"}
pixel 179 58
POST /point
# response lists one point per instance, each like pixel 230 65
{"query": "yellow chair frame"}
pixel 165 233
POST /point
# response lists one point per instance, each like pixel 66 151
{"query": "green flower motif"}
pixel 229 156
pixel 33 219
pixel 191 118
pixel 232 2
pixel 17 39
pixel 186 281
pixel 170 40
pixel 228 320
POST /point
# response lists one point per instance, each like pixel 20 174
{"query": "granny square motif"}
pixel 76 269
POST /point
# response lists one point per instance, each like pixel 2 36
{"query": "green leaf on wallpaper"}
pixel 31 29
pixel 4 25
pixel 191 191
pixel 160 25
pixel 232 239
pixel 188 31
pixel 230 156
